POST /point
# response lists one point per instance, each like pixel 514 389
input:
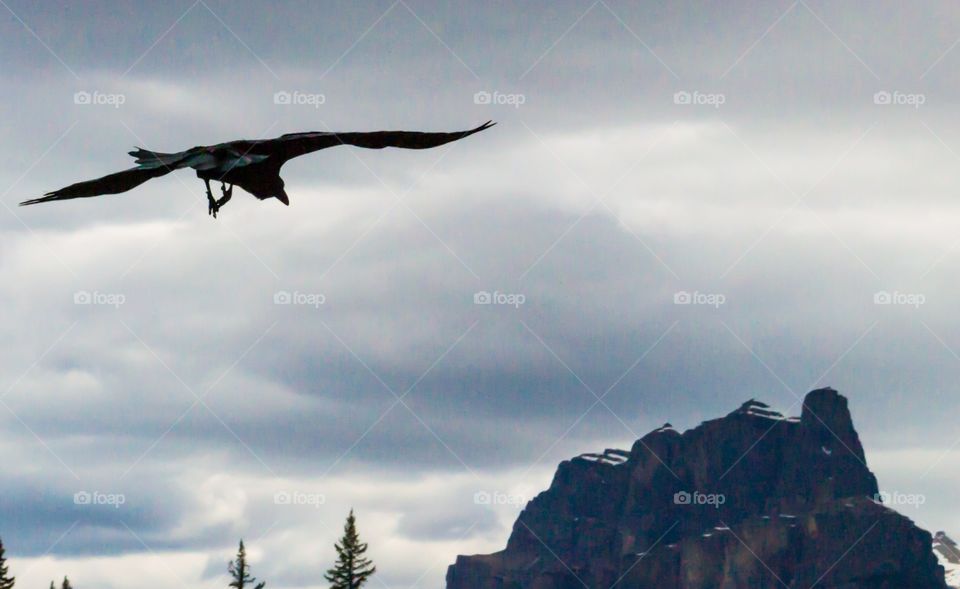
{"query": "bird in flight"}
pixel 252 165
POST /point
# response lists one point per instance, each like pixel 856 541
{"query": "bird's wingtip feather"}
pixel 485 126
pixel 45 198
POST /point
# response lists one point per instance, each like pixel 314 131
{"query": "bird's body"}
pixel 252 165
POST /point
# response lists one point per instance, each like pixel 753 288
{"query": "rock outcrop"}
pixel 949 556
pixel 753 499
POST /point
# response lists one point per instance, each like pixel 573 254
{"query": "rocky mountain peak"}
pixel 752 499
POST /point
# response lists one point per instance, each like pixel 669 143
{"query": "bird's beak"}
pixel 282 197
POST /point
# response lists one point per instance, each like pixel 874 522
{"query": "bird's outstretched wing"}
pixel 151 165
pixel 292 145
pixel 110 184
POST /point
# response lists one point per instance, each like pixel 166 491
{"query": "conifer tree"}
pixel 352 569
pixel 6 581
pixel 66 584
pixel 240 571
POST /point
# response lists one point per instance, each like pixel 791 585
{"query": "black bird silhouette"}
pixel 252 165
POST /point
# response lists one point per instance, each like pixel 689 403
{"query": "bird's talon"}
pixel 217 204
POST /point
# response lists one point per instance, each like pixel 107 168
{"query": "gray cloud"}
pixel 103 399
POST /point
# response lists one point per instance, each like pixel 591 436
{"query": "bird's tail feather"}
pixel 147 158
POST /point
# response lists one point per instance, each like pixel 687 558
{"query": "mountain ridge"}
pixel 751 499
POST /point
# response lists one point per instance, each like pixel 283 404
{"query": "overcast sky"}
pixel 789 169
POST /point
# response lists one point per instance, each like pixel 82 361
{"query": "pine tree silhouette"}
pixel 240 571
pixel 6 581
pixel 351 570
pixel 66 584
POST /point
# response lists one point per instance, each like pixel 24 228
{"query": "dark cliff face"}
pixel 752 499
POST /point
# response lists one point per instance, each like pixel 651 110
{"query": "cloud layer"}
pixel 646 260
